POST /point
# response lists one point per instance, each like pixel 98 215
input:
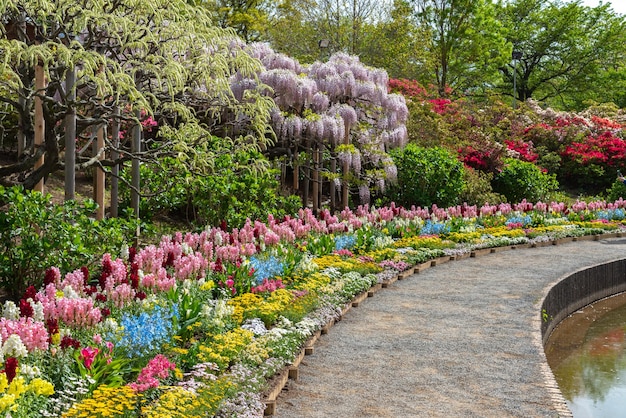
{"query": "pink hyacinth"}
pixel 541 207
pixel 76 280
pixel 190 266
pixel 78 312
pixel 268 286
pixel 271 238
pixel 557 207
pixel 121 295
pixel 33 334
pixel 150 259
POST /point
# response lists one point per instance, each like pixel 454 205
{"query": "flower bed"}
pixel 206 321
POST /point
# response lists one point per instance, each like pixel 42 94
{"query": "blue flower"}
pixel 344 242
pixel 519 220
pixel 266 268
pixel 434 228
pixel 611 214
pixel 147 332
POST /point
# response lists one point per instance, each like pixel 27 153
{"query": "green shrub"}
pixel 426 176
pixel 36 234
pixel 617 191
pixel 521 180
pixel 231 193
pixel 478 190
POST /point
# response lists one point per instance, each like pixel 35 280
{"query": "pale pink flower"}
pixel 33 334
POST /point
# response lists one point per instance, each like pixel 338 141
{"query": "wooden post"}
pixel 98 190
pixel 115 170
pixel 40 126
pixel 296 173
pixel 135 180
pixel 70 136
pixel 307 175
pixel 316 179
pixel 346 169
pixel 21 138
pixel 333 188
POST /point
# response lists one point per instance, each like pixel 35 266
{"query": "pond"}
pixel 587 354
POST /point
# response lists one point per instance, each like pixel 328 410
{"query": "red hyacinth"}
pixel 85 272
pixel 26 310
pixel 50 276
pixel 10 368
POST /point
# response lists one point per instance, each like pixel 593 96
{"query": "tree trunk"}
pixel 40 125
pixel 70 137
pixel 316 179
pixel 115 170
pixel 100 183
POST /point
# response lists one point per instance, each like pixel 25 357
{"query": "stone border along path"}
pixel 459 340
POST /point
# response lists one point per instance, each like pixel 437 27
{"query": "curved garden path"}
pixel 458 340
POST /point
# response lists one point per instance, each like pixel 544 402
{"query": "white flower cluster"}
pixel 13 347
pixel 255 325
pixel 217 313
pixel 10 311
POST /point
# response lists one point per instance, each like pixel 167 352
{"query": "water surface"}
pixel 587 354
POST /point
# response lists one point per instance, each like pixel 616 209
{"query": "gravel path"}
pixel 458 340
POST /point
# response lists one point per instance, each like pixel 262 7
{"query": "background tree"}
pixel 395 43
pixel 248 18
pixel 569 52
pixel 292 32
pixel 299 25
pixel 465 43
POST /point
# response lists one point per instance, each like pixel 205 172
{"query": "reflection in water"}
pixel 587 354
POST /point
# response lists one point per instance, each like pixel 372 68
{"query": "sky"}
pixel 619 6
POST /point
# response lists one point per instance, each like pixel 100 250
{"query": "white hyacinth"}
pixel 10 311
pixel 14 347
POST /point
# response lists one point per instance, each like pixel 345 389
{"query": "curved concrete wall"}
pixel 581 289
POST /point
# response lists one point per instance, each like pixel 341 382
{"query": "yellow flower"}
pixel 106 402
pixel 4 383
pixel 208 285
pixel 6 402
pixel 41 387
pixel 17 387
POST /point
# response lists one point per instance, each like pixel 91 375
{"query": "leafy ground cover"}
pixel 204 320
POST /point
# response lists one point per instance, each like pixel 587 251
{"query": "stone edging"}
pixel 567 295
pixel 279 381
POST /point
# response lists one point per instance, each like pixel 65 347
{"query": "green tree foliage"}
pixel 249 18
pixel 426 176
pixel 292 32
pixel 396 44
pixel 163 57
pixel 298 26
pixel 569 52
pixel 466 43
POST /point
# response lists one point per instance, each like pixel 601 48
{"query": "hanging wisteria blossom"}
pixel 364 193
pixel 330 103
